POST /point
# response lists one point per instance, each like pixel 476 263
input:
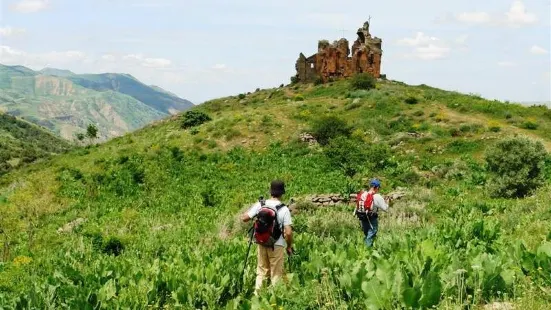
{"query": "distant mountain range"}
pixel 66 103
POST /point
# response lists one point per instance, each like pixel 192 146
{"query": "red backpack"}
pixel 267 229
pixel 364 204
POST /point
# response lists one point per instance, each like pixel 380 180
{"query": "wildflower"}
pixel 22 260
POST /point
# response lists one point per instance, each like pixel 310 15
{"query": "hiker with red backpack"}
pixel 367 205
pixel 272 232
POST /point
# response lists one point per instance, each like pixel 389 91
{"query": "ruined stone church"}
pixel 334 61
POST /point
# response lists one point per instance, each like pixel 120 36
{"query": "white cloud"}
pixel 419 39
pixel 425 47
pixel 462 40
pixel 538 50
pixel 517 15
pixel 13 56
pixel 30 6
pixel 506 64
pixel 474 17
pixel 148 62
pixel 219 66
pixel 108 57
pixel 9 31
pixel 431 52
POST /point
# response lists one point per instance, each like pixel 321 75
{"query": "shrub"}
pixel 358 94
pixel 241 96
pixel 411 100
pixel 363 81
pixel 379 156
pixel 515 167
pixel 465 128
pixel 454 132
pixel 232 133
pixel 345 154
pixel 113 246
pixel 294 79
pixel 418 113
pixel 329 127
pixel 318 81
pixel 299 97
pixel 529 124
pixel 194 118
pixel 493 126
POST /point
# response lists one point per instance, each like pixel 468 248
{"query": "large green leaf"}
pixel 545 248
pixel 411 296
pixel 431 289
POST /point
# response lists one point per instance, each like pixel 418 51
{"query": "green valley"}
pixel 150 219
pixel 66 103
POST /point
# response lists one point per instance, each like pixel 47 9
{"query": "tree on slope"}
pixel 92 132
pixel 516 167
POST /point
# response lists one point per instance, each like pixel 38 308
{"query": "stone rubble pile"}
pixel 69 227
pixel 306 137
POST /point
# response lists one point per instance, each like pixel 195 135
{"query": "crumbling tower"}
pixel 334 61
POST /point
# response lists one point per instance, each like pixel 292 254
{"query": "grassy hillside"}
pixel 22 143
pixel 67 103
pixel 158 208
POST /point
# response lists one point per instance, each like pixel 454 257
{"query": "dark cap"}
pixel 277 188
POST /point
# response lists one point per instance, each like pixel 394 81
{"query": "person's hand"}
pixel 289 251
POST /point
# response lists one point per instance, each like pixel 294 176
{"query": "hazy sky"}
pixel 203 49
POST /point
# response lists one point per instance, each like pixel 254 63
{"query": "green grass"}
pixel 161 208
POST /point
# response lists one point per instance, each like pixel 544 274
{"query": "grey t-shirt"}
pixel 283 217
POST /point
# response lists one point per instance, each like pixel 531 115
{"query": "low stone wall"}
pixel 325 200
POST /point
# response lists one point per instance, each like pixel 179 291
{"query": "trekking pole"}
pixel 289 261
pixel 369 221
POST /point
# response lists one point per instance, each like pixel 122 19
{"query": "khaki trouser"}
pixel 270 265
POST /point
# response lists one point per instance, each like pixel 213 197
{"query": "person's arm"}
pixel 253 211
pixel 288 233
pixel 381 202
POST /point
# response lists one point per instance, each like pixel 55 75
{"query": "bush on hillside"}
pixel 352 155
pixel 318 81
pixel 529 124
pixel 411 100
pixel 329 127
pixel 345 154
pixel 194 118
pixel 363 81
pixel 516 167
